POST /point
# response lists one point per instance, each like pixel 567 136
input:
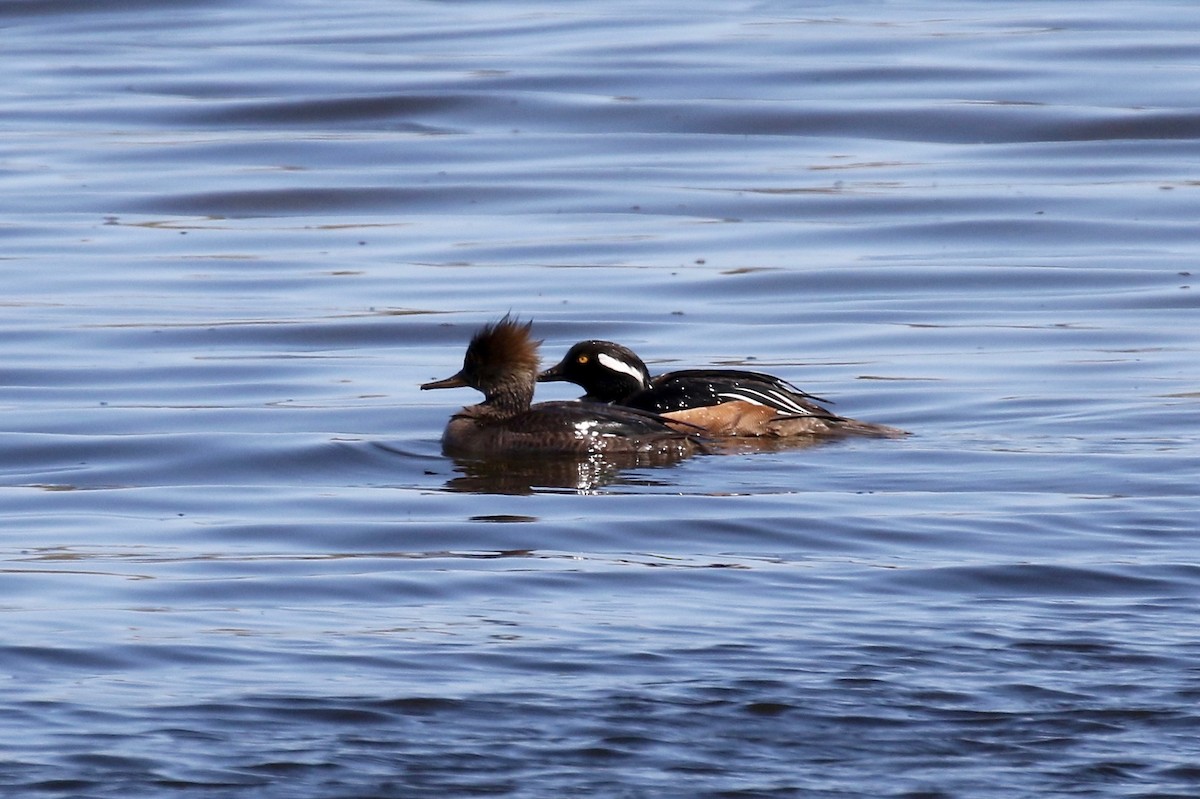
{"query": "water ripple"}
pixel 238 237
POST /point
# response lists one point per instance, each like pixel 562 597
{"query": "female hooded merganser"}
pixel 724 402
pixel 502 362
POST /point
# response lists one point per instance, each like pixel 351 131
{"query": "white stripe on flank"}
pixel 617 365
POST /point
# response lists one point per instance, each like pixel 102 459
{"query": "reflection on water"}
pixel 585 474
pixel 589 473
pixel 532 473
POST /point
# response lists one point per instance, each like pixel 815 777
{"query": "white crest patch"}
pixel 617 365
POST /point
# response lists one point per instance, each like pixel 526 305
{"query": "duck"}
pixel 502 363
pixel 722 402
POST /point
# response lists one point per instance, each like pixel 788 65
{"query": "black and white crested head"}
pixel 607 371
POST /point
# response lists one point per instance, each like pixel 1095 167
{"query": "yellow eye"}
pixel 583 359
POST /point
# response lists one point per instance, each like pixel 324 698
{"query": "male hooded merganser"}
pixel 724 402
pixel 502 362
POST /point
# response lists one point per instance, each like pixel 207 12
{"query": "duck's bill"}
pixel 554 373
pixel 454 381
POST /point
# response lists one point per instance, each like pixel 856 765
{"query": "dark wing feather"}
pixel 697 388
pixel 743 375
pixel 598 418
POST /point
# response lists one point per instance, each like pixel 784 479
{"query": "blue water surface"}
pixel 236 238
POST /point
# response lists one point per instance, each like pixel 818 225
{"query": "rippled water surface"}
pixel 236 237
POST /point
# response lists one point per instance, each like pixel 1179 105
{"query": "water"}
pixel 237 237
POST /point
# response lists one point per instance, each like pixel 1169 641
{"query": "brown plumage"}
pixel 502 362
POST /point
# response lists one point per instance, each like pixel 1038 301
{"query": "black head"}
pixel 608 372
pixel 501 361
